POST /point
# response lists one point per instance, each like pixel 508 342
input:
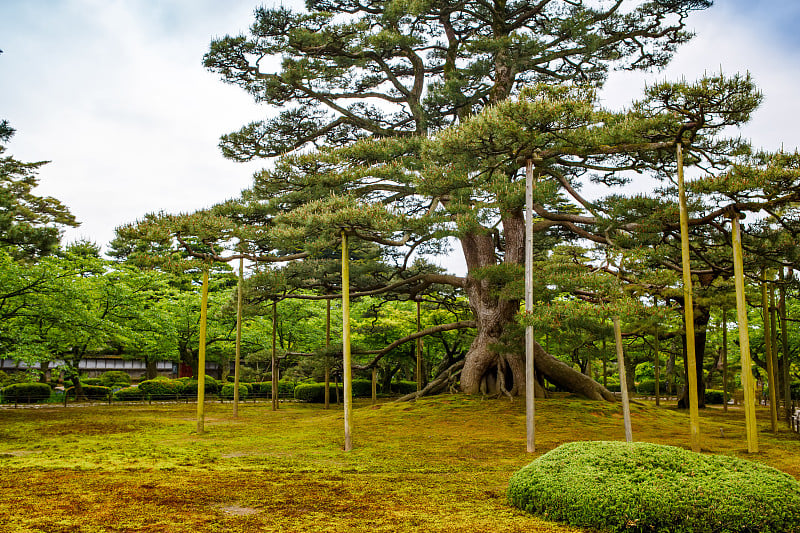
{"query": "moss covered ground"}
pixel 440 464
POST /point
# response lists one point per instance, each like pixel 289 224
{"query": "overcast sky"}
pixel 114 93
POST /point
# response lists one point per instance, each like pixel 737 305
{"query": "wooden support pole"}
pixel 773 329
pixel 347 365
pixel 327 354
pixel 623 382
pixel 201 358
pixel 688 306
pixel 744 338
pixel 657 358
pixel 530 403
pixel 725 359
pixel 236 363
pixel 274 357
pixel 374 385
pixel 787 395
pixel 419 350
pixel 773 409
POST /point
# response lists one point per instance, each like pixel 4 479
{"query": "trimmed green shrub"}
pixel 617 486
pixel 210 386
pixel 161 389
pixel 26 392
pixel 229 388
pixel 115 379
pixel 263 389
pixel 91 381
pixel 715 397
pixel 315 392
pixel 648 386
pixel 362 388
pixel 91 392
pixel 129 394
pixel 404 387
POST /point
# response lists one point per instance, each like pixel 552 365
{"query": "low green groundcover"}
pixel 616 486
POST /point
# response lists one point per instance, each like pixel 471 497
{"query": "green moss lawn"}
pixel 438 465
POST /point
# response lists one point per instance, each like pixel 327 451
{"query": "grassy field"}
pixel 437 465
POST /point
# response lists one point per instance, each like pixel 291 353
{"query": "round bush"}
pixel 91 392
pixel 129 394
pixel 115 379
pixel 404 387
pixel 26 392
pixel 715 397
pixel 91 381
pixel 210 386
pixel 315 392
pixel 648 386
pixel 617 486
pixel 229 388
pixel 161 389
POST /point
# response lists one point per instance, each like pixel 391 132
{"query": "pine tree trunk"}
pixel 702 315
pixel 491 371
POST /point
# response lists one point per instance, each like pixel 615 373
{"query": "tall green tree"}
pixel 30 225
pixel 399 70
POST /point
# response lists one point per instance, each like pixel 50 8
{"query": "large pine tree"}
pixel 399 70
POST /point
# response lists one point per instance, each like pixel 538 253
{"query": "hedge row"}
pixel 26 392
pixel 617 486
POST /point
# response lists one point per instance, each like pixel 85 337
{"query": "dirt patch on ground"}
pixel 238 510
pixel 18 453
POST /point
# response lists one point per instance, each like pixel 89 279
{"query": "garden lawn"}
pixel 441 464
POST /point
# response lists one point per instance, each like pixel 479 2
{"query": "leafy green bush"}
pixel 404 387
pixel 26 392
pixel 362 388
pixel 211 386
pixel 91 381
pixel 161 389
pixel 315 392
pixel 648 386
pixel 115 379
pixel 263 389
pixel 229 388
pixel 616 486
pixel 92 392
pixel 714 397
pixel 129 394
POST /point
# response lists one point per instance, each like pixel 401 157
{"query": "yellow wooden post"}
pixel 274 358
pixel 773 326
pixel 787 399
pixel 238 340
pixel 623 381
pixel 773 409
pixel 744 338
pixel 657 358
pixel 725 359
pixel 688 304
pixel 348 391
pixel 374 385
pixel 201 358
pixel 327 355
pixel 419 350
